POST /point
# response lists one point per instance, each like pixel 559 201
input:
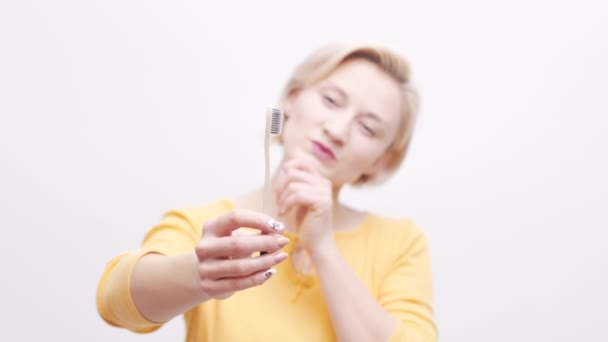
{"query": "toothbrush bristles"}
pixel 275 122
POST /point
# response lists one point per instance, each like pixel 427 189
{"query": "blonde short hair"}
pixel 325 60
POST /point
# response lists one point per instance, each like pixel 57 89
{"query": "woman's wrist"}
pixel 165 286
pixel 324 249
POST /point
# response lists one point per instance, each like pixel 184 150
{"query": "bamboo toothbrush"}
pixel 274 126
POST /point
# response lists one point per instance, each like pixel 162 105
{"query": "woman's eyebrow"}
pixel 374 116
pixel 336 88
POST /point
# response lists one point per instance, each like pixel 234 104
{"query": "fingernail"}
pixel 280 257
pixel 282 241
pixel 275 225
pixel 270 273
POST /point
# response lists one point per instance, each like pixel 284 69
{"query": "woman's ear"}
pixel 288 102
pixel 285 105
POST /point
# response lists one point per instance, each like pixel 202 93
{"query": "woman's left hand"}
pixel 302 188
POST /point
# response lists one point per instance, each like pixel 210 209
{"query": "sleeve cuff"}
pixel 114 301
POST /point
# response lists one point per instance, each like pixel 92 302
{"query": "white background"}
pixel 112 112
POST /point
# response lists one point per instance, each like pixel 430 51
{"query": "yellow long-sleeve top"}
pixel 389 256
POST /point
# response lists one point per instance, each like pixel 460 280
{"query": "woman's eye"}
pixel 329 100
pixel 368 129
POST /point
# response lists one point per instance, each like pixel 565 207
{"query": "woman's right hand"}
pixel 225 261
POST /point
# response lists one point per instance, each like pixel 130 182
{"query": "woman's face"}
pixel 344 122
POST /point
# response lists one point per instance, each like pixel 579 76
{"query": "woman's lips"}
pixel 322 151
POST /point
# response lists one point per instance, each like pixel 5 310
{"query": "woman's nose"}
pixel 336 130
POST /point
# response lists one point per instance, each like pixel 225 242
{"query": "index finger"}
pixel 304 163
pixel 225 224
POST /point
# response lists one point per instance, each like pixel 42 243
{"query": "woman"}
pixel 349 275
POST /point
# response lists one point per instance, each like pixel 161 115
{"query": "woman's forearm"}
pixel 163 287
pixel 355 314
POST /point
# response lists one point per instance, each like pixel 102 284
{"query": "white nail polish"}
pixel 275 225
pixel 270 273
